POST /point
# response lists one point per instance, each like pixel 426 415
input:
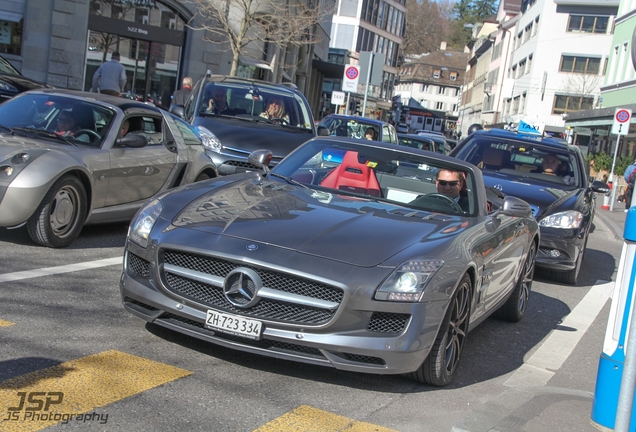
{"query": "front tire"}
pixel 60 216
pixel 440 366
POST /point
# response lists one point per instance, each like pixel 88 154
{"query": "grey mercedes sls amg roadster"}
pixel 358 255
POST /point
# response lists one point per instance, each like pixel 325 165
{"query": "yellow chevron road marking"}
pixel 309 419
pixel 70 392
pixel 4 323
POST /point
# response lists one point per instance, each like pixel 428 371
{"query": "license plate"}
pixel 233 324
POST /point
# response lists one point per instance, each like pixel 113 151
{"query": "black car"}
pixel 424 143
pixel 357 127
pixel 229 113
pixel 13 82
pixel 562 199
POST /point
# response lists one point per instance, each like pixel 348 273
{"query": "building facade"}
pixel 592 128
pixel 371 26
pixel 62 43
pixel 433 81
pixel 556 63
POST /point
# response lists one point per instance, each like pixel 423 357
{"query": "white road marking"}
pixel 48 271
pixel 546 360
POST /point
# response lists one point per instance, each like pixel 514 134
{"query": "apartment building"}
pixel 430 84
pixel 592 128
pixel 557 59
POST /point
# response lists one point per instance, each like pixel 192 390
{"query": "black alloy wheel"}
pixel 442 362
pixel 515 307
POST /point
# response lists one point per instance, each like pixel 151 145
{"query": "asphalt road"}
pixel 69 347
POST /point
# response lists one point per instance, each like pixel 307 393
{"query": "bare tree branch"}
pixel 240 24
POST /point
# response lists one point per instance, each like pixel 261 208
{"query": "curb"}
pixel 616 230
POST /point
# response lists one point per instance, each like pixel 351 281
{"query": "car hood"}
pixel 543 199
pixel 12 144
pixel 248 136
pixel 21 83
pixel 338 227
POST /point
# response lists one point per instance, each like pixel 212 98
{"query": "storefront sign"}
pixel 135 30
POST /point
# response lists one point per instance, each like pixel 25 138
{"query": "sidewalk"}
pixel 541 395
pixel 614 219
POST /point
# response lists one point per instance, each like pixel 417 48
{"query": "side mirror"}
pixel 599 187
pixel 178 110
pixel 323 131
pixel 261 158
pixel 133 140
pixel 513 206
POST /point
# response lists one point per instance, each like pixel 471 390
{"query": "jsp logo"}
pixel 37 401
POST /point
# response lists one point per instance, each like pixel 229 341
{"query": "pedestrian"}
pixel 110 77
pixel 181 96
pixel 629 170
pixel 629 190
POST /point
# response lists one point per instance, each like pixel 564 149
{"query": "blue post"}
pixel 612 362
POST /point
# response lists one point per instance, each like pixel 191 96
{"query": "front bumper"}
pixel 560 249
pixel 362 335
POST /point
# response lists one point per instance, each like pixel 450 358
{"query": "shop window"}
pixel 11 37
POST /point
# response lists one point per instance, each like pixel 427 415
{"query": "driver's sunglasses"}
pixel 452 183
pixel 64 119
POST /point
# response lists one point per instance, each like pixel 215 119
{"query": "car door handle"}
pixel 170 145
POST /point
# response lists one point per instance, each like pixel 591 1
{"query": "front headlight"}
pixel 209 140
pixel 8 87
pixel 140 227
pixel 567 220
pixel 407 282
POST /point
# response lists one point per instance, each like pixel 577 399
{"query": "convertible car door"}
pixel 502 252
pixel 139 173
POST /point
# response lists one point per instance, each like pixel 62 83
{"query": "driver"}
pixel 275 110
pixel 66 124
pixel 450 183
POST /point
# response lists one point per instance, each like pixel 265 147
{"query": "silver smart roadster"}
pixel 72 158
pixel 358 255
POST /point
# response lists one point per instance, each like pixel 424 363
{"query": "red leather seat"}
pixel 353 176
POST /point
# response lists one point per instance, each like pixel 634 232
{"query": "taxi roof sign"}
pixel 528 129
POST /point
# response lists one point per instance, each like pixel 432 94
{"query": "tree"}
pixel 239 24
pixel 424 29
pixel 482 9
pixel 584 87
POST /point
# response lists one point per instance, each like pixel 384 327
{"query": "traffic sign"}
pixel 350 78
pixel 622 118
pixel 337 97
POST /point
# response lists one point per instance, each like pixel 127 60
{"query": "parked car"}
pixel 440 139
pixel 229 136
pixel 55 182
pixel 427 131
pixel 344 255
pixel 402 128
pixel 563 204
pixel 424 143
pixel 12 82
pixel 357 127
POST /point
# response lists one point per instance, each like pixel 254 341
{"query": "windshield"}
pixel 76 120
pixel 255 103
pixel 367 172
pixel 528 161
